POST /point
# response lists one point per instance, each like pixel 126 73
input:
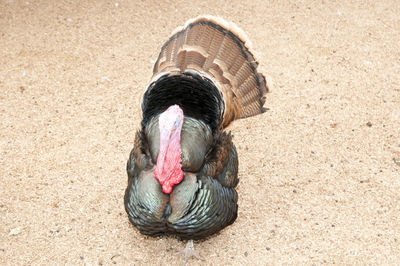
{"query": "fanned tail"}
pixel 219 51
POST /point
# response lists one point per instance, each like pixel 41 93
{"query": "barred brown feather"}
pixel 206 47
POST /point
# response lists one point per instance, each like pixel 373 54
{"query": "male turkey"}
pixel 182 170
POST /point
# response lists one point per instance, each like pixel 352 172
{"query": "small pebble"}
pixel 396 148
pixel 369 124
pixel 117 259
pixel 15 231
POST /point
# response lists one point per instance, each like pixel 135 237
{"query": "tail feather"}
pixel 219 51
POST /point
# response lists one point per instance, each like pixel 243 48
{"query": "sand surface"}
pixel 320 171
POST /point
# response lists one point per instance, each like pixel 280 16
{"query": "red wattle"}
pixel 169 161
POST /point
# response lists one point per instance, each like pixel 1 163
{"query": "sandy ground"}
pixel 320 171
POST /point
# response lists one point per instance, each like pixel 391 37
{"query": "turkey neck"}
pixel 196 140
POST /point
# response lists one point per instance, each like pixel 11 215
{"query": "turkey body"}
pixel 207 71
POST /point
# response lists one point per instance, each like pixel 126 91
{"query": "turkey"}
pixel 183 168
